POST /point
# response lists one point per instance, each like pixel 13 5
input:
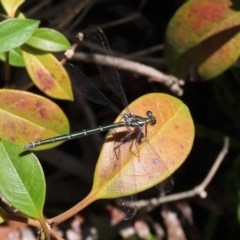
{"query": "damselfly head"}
pixel 152 119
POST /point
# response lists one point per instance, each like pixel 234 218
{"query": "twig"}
pixel 173 83
pixel 121 21
pixel 145 52
pixel 79 18
pixel 29 221
pixel 74 12
pixel 37 8
pixel 198 190
pixel 129 18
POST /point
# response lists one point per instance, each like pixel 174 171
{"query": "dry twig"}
pixel 173 83
pixel 199 190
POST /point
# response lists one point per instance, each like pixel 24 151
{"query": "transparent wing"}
pixel 137 164
pixel 153 160
pixel 109 73
pixel 128 205
pixel 83 86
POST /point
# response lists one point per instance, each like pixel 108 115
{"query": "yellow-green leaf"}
pixel 11 6
pixel 48 74
pixel 27 117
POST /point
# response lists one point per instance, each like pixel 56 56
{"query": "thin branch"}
pixel 29 221
pixel 74 12
pixel 216 164
pixel 121 21
pixel 198 190
pixel 146 51
pixel 129 18
pixel 37 7
pixel 173 83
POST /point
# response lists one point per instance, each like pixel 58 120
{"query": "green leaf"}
pixel 27 117
pixel 48 74
pixel 205 35
pixel 50 40
pixel 11 6
pixel 14 32
pixel 22 181
pixel 15 57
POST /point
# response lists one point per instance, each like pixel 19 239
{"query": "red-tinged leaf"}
pixel 203 34
pixel 26 117
pixel 124 168
pixel 11 6
pixel 48 74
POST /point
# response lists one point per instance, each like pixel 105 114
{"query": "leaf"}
pixel 14 32
pixel 27 117
pixel 169 143
pixel 171 138
pixel 203 34
pixel 11 6
pixel 22 180
pixel 48 74
pixel 47 39
pixel 15 57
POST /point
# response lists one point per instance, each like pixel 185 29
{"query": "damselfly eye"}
pixel 149 113
pixel 152 119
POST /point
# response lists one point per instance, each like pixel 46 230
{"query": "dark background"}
pixel 133 26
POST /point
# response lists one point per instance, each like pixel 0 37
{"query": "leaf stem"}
pixel 45 228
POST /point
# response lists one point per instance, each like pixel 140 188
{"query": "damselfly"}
pixel 129 120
